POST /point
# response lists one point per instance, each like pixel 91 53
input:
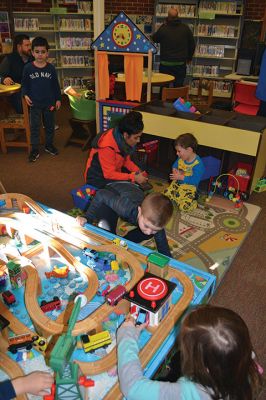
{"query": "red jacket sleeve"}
pixel 130 165
pixel 107 158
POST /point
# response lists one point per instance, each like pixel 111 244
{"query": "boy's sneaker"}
pixel 51 150
pixel 34 154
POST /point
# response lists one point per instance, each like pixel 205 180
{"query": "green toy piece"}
pixel 67 373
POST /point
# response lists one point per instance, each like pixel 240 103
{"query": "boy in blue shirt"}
pixel 186 173
pixel 41 90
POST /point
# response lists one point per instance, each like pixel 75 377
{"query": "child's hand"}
pixel 37 383
pixel 81 220
pixel 28 100
pixel 177 175
pixel 129 321
pixel 58 104
pixel 141 177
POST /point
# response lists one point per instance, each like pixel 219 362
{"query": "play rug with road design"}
pixel 207 238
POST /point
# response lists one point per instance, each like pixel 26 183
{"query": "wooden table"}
pixel 157 78
pixel 8 90
pixel 5 91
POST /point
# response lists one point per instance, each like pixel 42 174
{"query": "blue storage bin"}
pixel 82 197
pixel 212 167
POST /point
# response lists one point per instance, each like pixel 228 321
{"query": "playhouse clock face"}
pixel 122 34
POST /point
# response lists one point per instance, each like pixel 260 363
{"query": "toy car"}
pixel 51 305
pixel 142 317
pixel 93 342
pixel 20 342
pixel 103 289
pixel 8 297
pixel 115 295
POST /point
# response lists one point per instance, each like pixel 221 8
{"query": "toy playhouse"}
pixel 152 295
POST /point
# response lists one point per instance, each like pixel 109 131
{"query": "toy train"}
pixel 8 297
pixel 51 305
pixel 115 295
pixel 26 341
pixel 92 342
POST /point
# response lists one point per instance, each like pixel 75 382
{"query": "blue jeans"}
pixel 37 115
pixel 178 71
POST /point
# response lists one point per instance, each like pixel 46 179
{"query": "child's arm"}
pixel 133 384
pixel 7 390
pixel 162 243
pixel 25 85
pixel 37 383
pixel 56 88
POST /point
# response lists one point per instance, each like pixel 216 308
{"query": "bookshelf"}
pixel 69 35
pixel 216 26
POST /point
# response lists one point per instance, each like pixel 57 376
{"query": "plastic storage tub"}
pixel 82 108
pixel 83 196
pixel 243 180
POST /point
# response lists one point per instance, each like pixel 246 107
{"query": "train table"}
pixel 64 290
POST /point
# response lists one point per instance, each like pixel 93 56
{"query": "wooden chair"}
pixel 204 97
pixel 174 93
pixel 16 121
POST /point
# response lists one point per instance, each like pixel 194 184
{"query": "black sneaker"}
pixel 52 150
pixel 34 154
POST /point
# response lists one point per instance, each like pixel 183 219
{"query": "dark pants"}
pixel 15 100
pixel 178 71
pixel 262 109
pixel 36 116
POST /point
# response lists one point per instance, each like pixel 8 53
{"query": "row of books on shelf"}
pixel 205 70
pixel 75 24
pixel 84 7
pixel 214 30
pixel 76 81
pixel 209 50
pixel 227 7
pixel 218 85
pixel 75 42
pixel 79 61
pixel 184 10
pixel 26 24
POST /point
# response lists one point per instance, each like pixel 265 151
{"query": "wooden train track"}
pixel 82 238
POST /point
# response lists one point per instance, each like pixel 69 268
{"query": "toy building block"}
pixel 16 275
pixel 158 264
pixel 181 105
pixel 261 185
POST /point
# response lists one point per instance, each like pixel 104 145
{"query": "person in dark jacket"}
pixel 149 214
pixel 261 88
pixel 11 68
pixel 110 157
pixel 37 383
pixel 177 47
